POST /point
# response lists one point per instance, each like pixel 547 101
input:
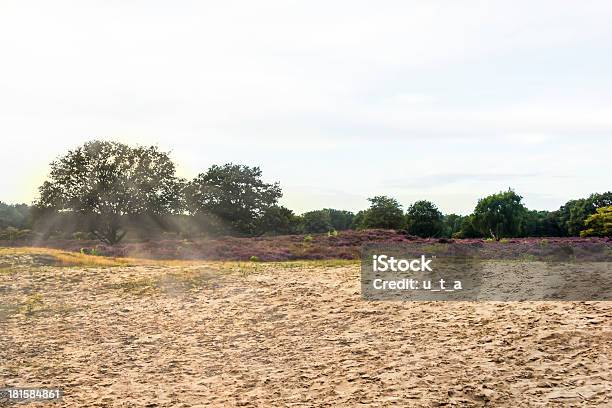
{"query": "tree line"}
pixel 107 189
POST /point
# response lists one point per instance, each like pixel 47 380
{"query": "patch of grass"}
pixel 79 259
pixel 317 263
pixel 64 258
pixel 58 257
pixel 137 287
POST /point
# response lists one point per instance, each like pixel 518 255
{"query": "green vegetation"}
pixel 573 214
pixel 384 212
pixel 279 220
pixel 599 224
pixel 109 190
pixel 15 215
pixel 325 220
pixel 316 221
pixel 104 182
pixel 500 215
pixel 424 219
pixel 235 194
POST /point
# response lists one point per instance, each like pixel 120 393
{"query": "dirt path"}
pixel 289 336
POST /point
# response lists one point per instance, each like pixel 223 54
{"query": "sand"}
pixel 288 335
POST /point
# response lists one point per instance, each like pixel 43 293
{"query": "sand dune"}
pixel 288 335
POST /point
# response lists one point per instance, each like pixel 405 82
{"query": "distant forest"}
pixel 109 191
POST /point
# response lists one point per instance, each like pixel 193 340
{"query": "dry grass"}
pixel 65 258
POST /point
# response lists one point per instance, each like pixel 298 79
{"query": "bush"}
pixel 599 224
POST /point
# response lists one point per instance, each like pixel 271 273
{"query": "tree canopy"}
pixel 500 215
pixel 234 193
pixel 424 219
pixel 108 181
pixel 108 188
pixel 598 224
pixel 384 212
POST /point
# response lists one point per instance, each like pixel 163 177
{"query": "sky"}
pixel 337 100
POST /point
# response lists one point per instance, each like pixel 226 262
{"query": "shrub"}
pixel 599 224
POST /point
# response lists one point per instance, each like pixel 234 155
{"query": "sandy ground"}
pixel 262 335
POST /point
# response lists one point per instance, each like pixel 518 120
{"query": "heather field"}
pixel 131 332
pixel 344 245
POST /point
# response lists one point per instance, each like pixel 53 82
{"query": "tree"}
pixel 500 215
pixel 340 219
pixel 540 224
pixel 599 224
pixel 468 228
pixel 384 212
pixel 316 221
pixel 358 221
pixel 234 193
pixel 107 182
pixel 279 220
pixel 451 224
pixel 572 215
pixel 14 215
pixel 424 219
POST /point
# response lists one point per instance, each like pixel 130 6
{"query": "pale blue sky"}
pixel 339 101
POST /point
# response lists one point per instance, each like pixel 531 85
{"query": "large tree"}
pixel 424 219
pixel 234 193
pixel 384 212
pixel 107 182
pixel 500 215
